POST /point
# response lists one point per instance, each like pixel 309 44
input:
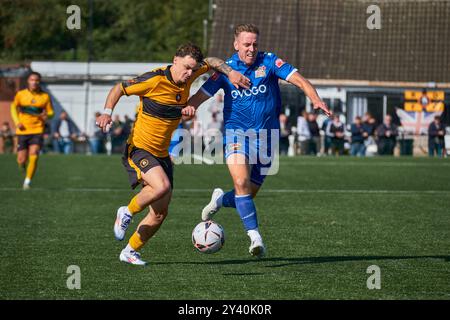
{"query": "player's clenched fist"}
pixel 104 122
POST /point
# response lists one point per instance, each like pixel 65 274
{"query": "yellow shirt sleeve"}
pixel 139 86
pixel 14 105
pixel 49 108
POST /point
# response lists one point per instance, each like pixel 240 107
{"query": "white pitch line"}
pixel 262 190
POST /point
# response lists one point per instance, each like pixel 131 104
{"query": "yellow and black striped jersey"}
pixel 159 113
pixel 27 108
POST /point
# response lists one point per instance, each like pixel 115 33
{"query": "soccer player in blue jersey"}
pixel 257 109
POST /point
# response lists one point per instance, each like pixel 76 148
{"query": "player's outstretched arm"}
pixel 303 84
pixel 104 121
pixel 235 77
pixel 193 103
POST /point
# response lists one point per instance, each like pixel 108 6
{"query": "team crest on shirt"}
pixel 234 147
pixel 33 101
pixel 178 97
pixel 279 63
pixel 143 163
pixel 215 76
pixel 260 72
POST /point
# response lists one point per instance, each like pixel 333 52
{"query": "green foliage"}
pixel 130 30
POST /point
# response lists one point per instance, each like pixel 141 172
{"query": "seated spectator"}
pixel 336 130
pixel 65 134
pixel 387 133
pixel 359 135
pixel 436 134
pixel 7 137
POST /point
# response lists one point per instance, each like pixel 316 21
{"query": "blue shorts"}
pixel 257 150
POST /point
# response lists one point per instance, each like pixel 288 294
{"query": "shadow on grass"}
pixel 277 262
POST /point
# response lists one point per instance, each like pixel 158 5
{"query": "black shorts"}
pixel 137 160
pixel 26 140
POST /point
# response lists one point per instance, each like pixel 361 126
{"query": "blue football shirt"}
pixel 257 107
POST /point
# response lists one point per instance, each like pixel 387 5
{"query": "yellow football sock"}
pixel 135 241
pixel 32 165
pixel 133 206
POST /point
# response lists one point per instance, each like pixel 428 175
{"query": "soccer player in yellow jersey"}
pixel 163 93
pixel 30 109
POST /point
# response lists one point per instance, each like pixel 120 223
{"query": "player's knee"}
pixel 162 189
pixel 242 185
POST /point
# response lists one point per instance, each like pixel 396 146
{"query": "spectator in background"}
pixel 118 135
pixel 285 132
pixel 359 135
pixel 196 131
pixel 303 132
pixel 314 141
pixel 64 135
pixel 7 137
pixel 436 134
pixel 47 144
pixel 128 125
pixel 213 133
pixel 327 138
pixel 336 131
pixel 387 133
pixel 95 135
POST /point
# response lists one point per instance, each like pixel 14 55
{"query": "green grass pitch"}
pixel 324 221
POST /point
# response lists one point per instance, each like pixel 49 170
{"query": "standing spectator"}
pixel 336 131
pixel 196 131
pixel 64 135
pixel 387 133
pixel 436 134
pixel 212 134
pixel 359 135
pixel 314 141
pixel 285 132
pixel 303 132
pixel 327 138
pixel 95 135
pixel 118 135
pixel 128 125
pixel 7 138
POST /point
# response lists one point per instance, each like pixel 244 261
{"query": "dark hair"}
pixel 190 49
pixel 245 28
pixel 34 73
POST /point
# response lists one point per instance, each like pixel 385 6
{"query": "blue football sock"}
pixel 247 211
pixel 228 199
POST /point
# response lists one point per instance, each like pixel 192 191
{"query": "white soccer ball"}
pixel 208 237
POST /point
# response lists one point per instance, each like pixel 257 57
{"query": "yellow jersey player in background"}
pixel 30 109
pixel 163 93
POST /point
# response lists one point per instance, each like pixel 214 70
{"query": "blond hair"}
pixel 245 28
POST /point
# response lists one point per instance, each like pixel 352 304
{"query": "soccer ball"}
pixel 208 237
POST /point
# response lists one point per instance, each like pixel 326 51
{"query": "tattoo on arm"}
pixel 218 65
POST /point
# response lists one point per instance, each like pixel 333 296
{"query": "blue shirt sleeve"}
pixel 213 84
pixel 281 68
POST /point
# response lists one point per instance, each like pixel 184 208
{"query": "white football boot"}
pixel 213 206
pixel 123 220
pixel 26 184
pixel 131 257
pixel 257 248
